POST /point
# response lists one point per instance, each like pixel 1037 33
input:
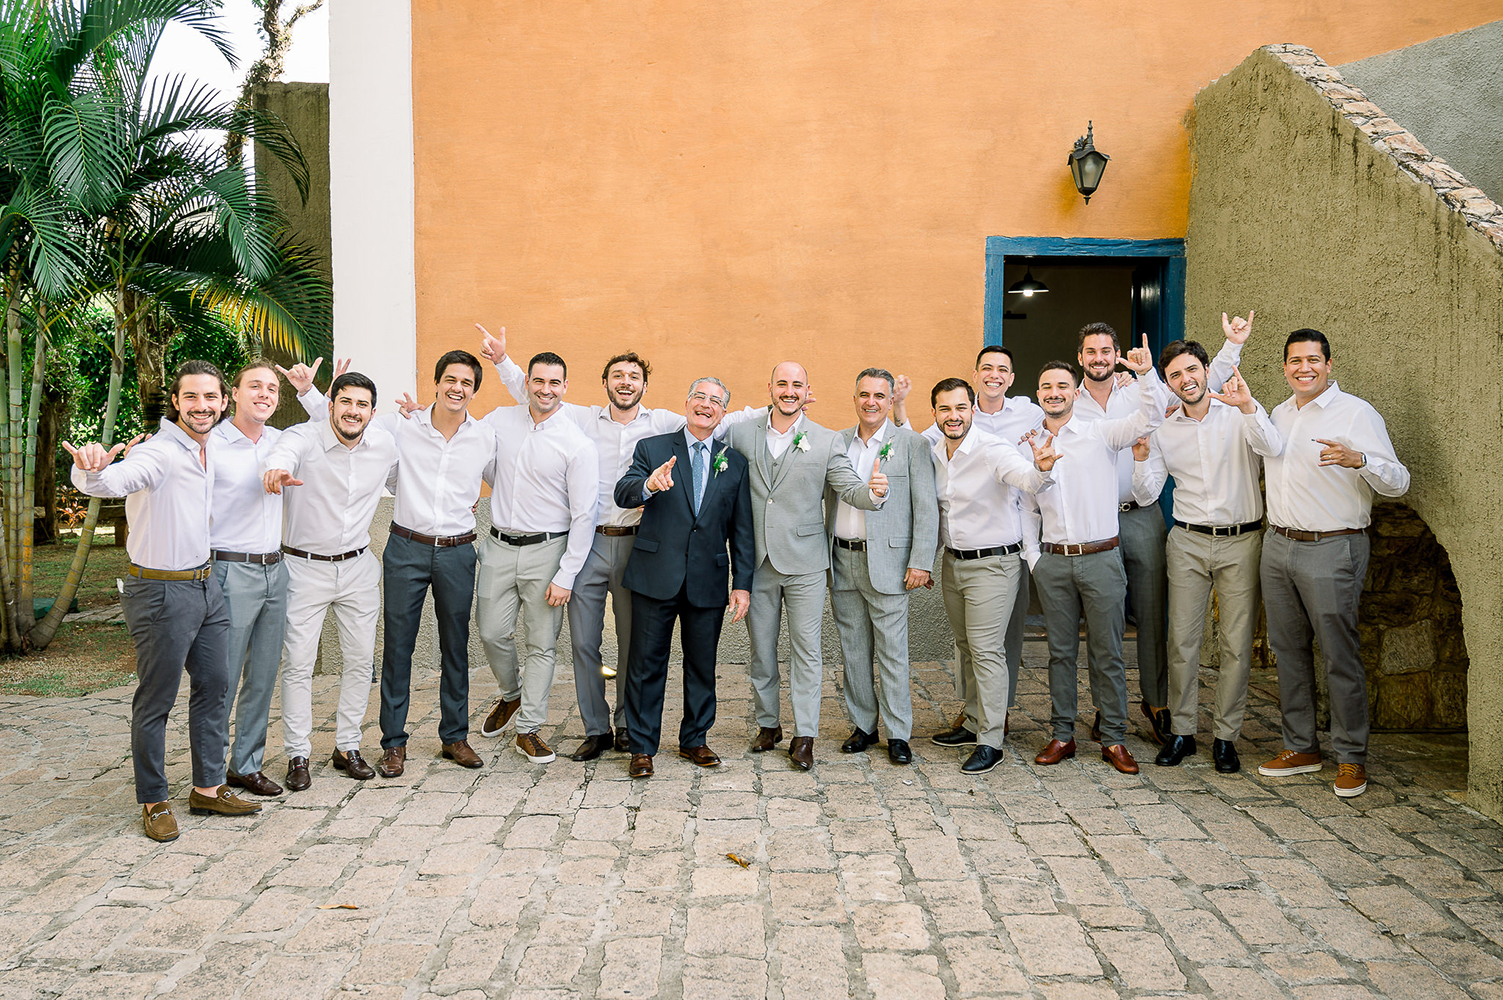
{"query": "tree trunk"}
pixel 52 424
pixel 150 342
pixel 29 481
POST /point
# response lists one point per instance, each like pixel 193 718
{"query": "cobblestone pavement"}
pixel 863 879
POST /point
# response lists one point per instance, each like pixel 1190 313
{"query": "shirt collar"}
pixel 331 440
pixel 425 417
pixel 964 448
pixel 691 441
pixel 173 432
pixel 879 436
pixel 797 425
pixel 1329 396
pixel 604 413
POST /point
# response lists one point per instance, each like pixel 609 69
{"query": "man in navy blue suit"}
pixel 696 528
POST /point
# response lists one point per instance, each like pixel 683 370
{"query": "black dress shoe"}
pixel 858 741
pixel 1224 753
pixel 1158 719
pixel 593 746
pixel 957 737
pixel 1096 729
pixel 623 743
pixel 1176 749
pixel 898 752
pixel 297 774
pixel 982 759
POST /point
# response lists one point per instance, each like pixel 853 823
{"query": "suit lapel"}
pixel 791 455
pixel 763 460
pixel 681 452
pixel 717 448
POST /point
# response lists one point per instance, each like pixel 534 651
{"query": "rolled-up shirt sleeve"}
pixel 1383 472
pixel 584 487
pixel 1148 477
pixel 137 471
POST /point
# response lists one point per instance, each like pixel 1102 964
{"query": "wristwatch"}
pixel 1364 462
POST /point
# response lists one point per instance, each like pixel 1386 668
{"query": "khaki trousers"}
pixel 512 577
pixel 979 596
pixel 1197 563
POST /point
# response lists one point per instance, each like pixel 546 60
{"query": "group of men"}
pixel 244 537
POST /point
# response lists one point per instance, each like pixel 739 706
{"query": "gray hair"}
pixel 726 393
pixel 883 373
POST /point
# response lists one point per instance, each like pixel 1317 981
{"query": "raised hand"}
pixel 740 603
pixel 407 406
pixel 878 481
pixel 340 367
pixel 133 442
pixel 275 479
pixel 556 596
pixel 901 387
pixel 1235 393
pixel 662 477
pixel 1044 456
pixel 92 457
pixel 1140 449
pixel 492 348
pixel 1336 453
pixel 301 375
pixel 1237 329
pixel 916 578
pixel 1124 379
pixel 1140 359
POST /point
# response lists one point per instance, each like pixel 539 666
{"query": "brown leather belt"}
pixel 1315 536
pixel 615 530
pixel 1229 531
pixel 318 558
pixel 854 544
pixel 532 539
pixel 259 558
pixel 438 541
pixel 202 573
pixel 1000 550
pixel 1083 549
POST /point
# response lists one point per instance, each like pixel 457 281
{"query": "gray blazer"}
pixel 904 534
pixel 786 515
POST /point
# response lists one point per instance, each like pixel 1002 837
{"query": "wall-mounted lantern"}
pixel 1087 164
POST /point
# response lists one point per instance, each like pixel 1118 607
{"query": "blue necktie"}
pixel 699 474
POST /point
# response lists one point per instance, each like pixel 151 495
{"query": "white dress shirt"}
pixel 331 512
pixel 779 441
pixel 1082 507
pixel 977 509
pixel 850 522
pixel 168 496
pixel 1303 494
pixel 1122 402
pixel 547 478
pixel 1214 462
pixel 245 517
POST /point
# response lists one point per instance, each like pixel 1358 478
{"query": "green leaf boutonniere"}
pixel 719 462
pixel 801 440
pixel 886 450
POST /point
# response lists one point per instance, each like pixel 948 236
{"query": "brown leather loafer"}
pixel 701 755
pixel 500 715
pixel 159 822
pixel 351 763
pixel 641 765
pixel 225 803
pixel 393 762
pixel 461 754
pixel 801 751
pixel 623 741
pixel 256 783
pixel 767 739
pixel 1117 756
pixel 1056 751
pixel 297 774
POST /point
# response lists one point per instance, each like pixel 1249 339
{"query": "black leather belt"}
pixel 438 541
pixel 1005 550
pixel 1123 508
pixel 615 530
pixel 321 558
pixel 854 544
pixel 532 539
pixel 142 572
pixel 259 558
pixel 1232 531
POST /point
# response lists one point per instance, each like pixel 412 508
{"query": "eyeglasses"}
pixel 703 397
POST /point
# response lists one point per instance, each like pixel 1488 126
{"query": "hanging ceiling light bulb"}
pixel 1029 286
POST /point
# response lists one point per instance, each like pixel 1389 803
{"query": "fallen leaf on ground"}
pixel 740 861
pixel 339 906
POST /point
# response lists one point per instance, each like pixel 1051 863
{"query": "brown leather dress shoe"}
pixel 1159 723
pixel 159 822
pixel 297 774
pixel 623 741
pixel 500 715
pixel 801 751
pixel 256 783
pixel 1056 751
pixel 767 739
pixel 351 763
pixel 1117 756
pixel 592 747
pixel 461 754
pixel 641 765
pixel 224 803
pixel 701 755
pixel 393 762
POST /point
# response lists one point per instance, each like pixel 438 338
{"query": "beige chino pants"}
pixel 1197 563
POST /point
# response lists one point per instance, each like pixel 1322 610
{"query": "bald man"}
pixel 792 462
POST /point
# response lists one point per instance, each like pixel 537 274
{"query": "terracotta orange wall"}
pixel 721 185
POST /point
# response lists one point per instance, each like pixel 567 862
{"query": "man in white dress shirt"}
pixel 547 488
pixel 615 429
pixel 1080 563
pixel 174 610
pixel 334 471
pixel 976 477
pixel 246 535
pixel 1212 445
pixel 1336 455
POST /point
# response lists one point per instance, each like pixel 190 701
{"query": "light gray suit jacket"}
pixel 904 534
pixel 790 526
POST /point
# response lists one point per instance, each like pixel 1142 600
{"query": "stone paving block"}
pixel 550 964
pixel 1412 981
pixel 1242 838
pixel 730 929
pixel 1296 881
pixel 184 923
pixel 1101 822
pixel 1141 960
pixel 1484 918
pixel 400 843
pixel 982 966
pixel 473 957
pixel 653 871
pixel 1203 862
pixel 1397 909
pixel 1158 894
pixel 806 897
pixel 472 830
pixel 1288 823
pixel 331 931
pixel 903 977
pixel 1304 966
pixel 1438 878
pixel 125 959
pixel 1164 822
pixel 1370 836
pixel 861 836
pixel 295 975
pixel 1077 991
pixel 1334 992
pixel 388 965
pixel 812 962
pixel 800 850
pixel 1461 960
pixel 1339 864
pixel 956 907
pixel 1254 917
pixel 599 824
pixel 786 812
pixel 934 858
pixel 1348 932
pixel 873 877
pixel 1017 895
pixel 631 970
pixel 1051 838
pixel 586 871
pixel 1238 984
pixel 1033 809
pixel 417 919
pixel 532 832
pixel 1129 857
pixel 1051 946
pixel 890 927
pixel 1471 855
pixel 112 986
pixel 319 865
pixel 728 805
pixel 1201 936
pixel 717 837
pixel 724 880
pixel 655 829
pixel 1083 882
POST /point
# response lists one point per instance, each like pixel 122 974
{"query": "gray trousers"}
pixel 1198 562
pixel 804 596
pixel 1096 585
pixel 1311 591
pixel 1012 645
pixel 512 577
pixel 256 597
pixel 979 595
pixel 1143 534
pixel 873 642
pixel 600 576
pixel 177 625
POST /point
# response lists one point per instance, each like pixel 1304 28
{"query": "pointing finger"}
pixel 1249 317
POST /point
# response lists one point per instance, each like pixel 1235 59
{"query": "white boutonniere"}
pixel 801 440
pixel 886 450
pixel 719 462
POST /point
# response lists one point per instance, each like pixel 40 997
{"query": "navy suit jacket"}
pixel 673 546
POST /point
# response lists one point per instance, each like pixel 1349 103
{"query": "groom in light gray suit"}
pixel 878 557
pixel 792 461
